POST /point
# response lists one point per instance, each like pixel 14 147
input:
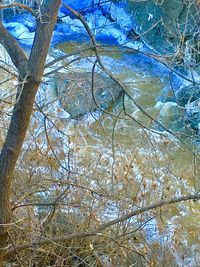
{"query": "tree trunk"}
pixel 31 72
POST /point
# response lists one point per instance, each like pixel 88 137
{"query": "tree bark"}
pixel 31 71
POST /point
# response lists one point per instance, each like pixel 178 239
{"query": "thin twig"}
pixel 102 227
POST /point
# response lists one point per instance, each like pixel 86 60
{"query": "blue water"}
pixel 68 28
pixel 110 24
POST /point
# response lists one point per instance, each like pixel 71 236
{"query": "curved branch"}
pixel 101 228
pixel 118 82
pixel 22 6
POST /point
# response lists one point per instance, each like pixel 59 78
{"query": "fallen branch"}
pixel 11 251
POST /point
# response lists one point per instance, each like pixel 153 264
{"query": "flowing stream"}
pixel 138 159
pixel 127 152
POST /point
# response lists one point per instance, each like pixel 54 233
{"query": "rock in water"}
pixel 161 23
pixel 77 96
pixel 188 98
pixel 187 94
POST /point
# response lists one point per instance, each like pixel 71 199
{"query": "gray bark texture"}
pixel 31 72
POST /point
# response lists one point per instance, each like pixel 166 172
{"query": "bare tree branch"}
pixel 19 5
pixel 32 71
pixel 14 50
pixel 118 82
pixel 102 227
